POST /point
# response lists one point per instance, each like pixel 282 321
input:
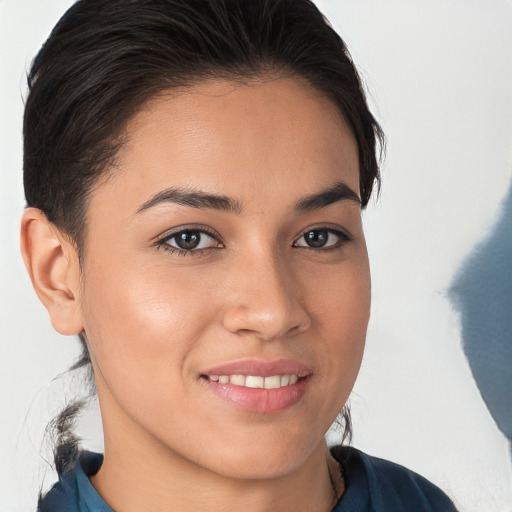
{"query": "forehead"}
pixel 263 138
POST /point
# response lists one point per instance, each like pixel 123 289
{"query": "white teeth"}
pixel 237 380
pixel 255 381
pixel 272 382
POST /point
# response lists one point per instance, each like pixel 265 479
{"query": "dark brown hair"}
pixel 106 58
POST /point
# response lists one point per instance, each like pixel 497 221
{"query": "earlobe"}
pixel 52 262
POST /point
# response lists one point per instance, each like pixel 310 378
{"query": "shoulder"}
pixel 73 491
pixel 375 484
pixel 62 496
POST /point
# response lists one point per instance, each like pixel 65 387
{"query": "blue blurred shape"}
pixel 482 292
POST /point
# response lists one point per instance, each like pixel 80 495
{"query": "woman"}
pixel 194 174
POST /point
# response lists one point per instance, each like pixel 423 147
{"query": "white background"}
pixel 439 74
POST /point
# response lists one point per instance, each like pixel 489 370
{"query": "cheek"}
pixel 340 307
pixel 339 298
pixel 141 325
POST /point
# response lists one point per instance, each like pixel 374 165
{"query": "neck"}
pixel 149 476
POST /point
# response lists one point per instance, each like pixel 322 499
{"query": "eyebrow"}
pixel 338 192
pixel 197 199
pixel 193 198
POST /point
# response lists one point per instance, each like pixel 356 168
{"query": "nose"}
pixel 264 299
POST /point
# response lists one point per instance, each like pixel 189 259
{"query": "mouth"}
pixel 256 381
pixel 259 386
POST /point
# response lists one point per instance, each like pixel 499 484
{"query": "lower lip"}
pixel 263 401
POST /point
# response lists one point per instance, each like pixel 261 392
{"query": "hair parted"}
pixel 106 58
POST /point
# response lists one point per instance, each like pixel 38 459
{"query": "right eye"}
pixel 189 241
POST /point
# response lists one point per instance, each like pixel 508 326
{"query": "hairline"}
pixel 256 76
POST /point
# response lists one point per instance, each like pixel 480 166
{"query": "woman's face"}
pixel 226 289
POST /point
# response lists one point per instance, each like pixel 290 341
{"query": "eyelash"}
pixel 343 238
pixel 163 242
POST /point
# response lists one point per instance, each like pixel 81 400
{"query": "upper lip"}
pixel 259 367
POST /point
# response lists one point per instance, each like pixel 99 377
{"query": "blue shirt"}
pixel 371 485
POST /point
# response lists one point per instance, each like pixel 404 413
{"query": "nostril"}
pixel 265 302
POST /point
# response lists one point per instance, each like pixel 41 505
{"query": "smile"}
pixel 256 381
pixel 259 386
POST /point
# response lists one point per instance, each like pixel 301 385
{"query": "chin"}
pixel 260 457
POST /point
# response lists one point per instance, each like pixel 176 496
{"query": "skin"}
pixel 155 319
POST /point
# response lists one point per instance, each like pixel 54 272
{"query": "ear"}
pixel 52 263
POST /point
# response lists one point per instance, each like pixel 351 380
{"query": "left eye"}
pixel 321 238
pixel 191 240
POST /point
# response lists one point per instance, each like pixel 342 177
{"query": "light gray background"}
pixel 439 74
